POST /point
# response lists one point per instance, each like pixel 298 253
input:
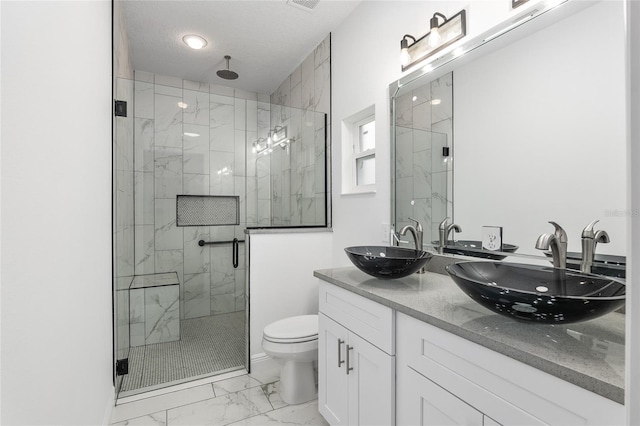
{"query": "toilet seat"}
pixel 300 329
pixel 291 341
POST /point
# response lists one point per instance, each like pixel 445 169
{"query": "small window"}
pixel 359 152
pixel 365 152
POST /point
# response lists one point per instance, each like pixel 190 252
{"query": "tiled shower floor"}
pixel 207 346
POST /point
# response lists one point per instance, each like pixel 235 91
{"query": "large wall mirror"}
pixel 538 132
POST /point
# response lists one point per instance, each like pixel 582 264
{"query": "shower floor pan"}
pixel 207 346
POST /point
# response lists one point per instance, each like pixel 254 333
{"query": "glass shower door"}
pixel 123 229
pixel 180 304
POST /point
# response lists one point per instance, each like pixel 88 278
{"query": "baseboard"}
pixel 263 362
pixel 111 402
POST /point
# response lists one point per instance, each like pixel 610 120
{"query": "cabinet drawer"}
pixel 366 318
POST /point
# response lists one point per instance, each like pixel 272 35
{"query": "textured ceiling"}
pixel 266 39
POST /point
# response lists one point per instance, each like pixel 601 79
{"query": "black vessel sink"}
pixel 387 262
pixel 538 293
pixel 474 249
pixel 603 264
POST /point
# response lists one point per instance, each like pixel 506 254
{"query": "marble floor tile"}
pixel 222 410
pixel 235 384
pixel 272 390
pixel 302 414
pixel 259 405
pixel 155 419
pixel 144 407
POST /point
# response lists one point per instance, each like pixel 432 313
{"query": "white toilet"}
pixel 294 341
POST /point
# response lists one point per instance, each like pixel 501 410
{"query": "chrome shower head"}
pixel 227 74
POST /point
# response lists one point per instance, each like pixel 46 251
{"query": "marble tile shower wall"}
pixel 191 138
pixel 298 173
pixel 424 126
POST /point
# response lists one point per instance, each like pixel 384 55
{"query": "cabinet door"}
pixel 371 384
pixel 332 378
pixel 422 402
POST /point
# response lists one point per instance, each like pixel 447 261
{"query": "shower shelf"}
pixel 154 309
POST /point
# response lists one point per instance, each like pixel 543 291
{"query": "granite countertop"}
pixel 588 354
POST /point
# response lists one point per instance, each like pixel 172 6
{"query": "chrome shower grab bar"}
pixel 202 243
pixel 234 248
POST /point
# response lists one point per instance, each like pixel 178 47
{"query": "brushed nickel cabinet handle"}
pixel 349 349
pixel 340 360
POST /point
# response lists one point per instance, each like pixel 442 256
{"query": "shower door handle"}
pixel 234 253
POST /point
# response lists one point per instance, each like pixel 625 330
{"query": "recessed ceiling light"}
pixel 182 105
pixel 194 41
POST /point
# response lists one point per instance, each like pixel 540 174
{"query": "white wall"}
pixel 541 136
pixel 281 277
pixel 365 60
pixel 56 212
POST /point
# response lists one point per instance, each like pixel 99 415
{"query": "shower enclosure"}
pixel 194 166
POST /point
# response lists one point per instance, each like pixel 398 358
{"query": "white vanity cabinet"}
pixel 356 365
pixel 443 379
pixel 379 366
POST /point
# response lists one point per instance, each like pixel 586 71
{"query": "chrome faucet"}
pixel 589 241
pixel 444 229
pixel 417 233
pixel 557 242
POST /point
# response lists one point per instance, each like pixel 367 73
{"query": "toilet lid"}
pixel 303 327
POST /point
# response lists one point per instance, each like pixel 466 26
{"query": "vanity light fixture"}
pixel 194 41
pixel 225 171
pixel 278 134
pixel 441 35
pixel 277 137
pixel 260 145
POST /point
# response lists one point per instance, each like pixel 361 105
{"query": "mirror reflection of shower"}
pixel 291 168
